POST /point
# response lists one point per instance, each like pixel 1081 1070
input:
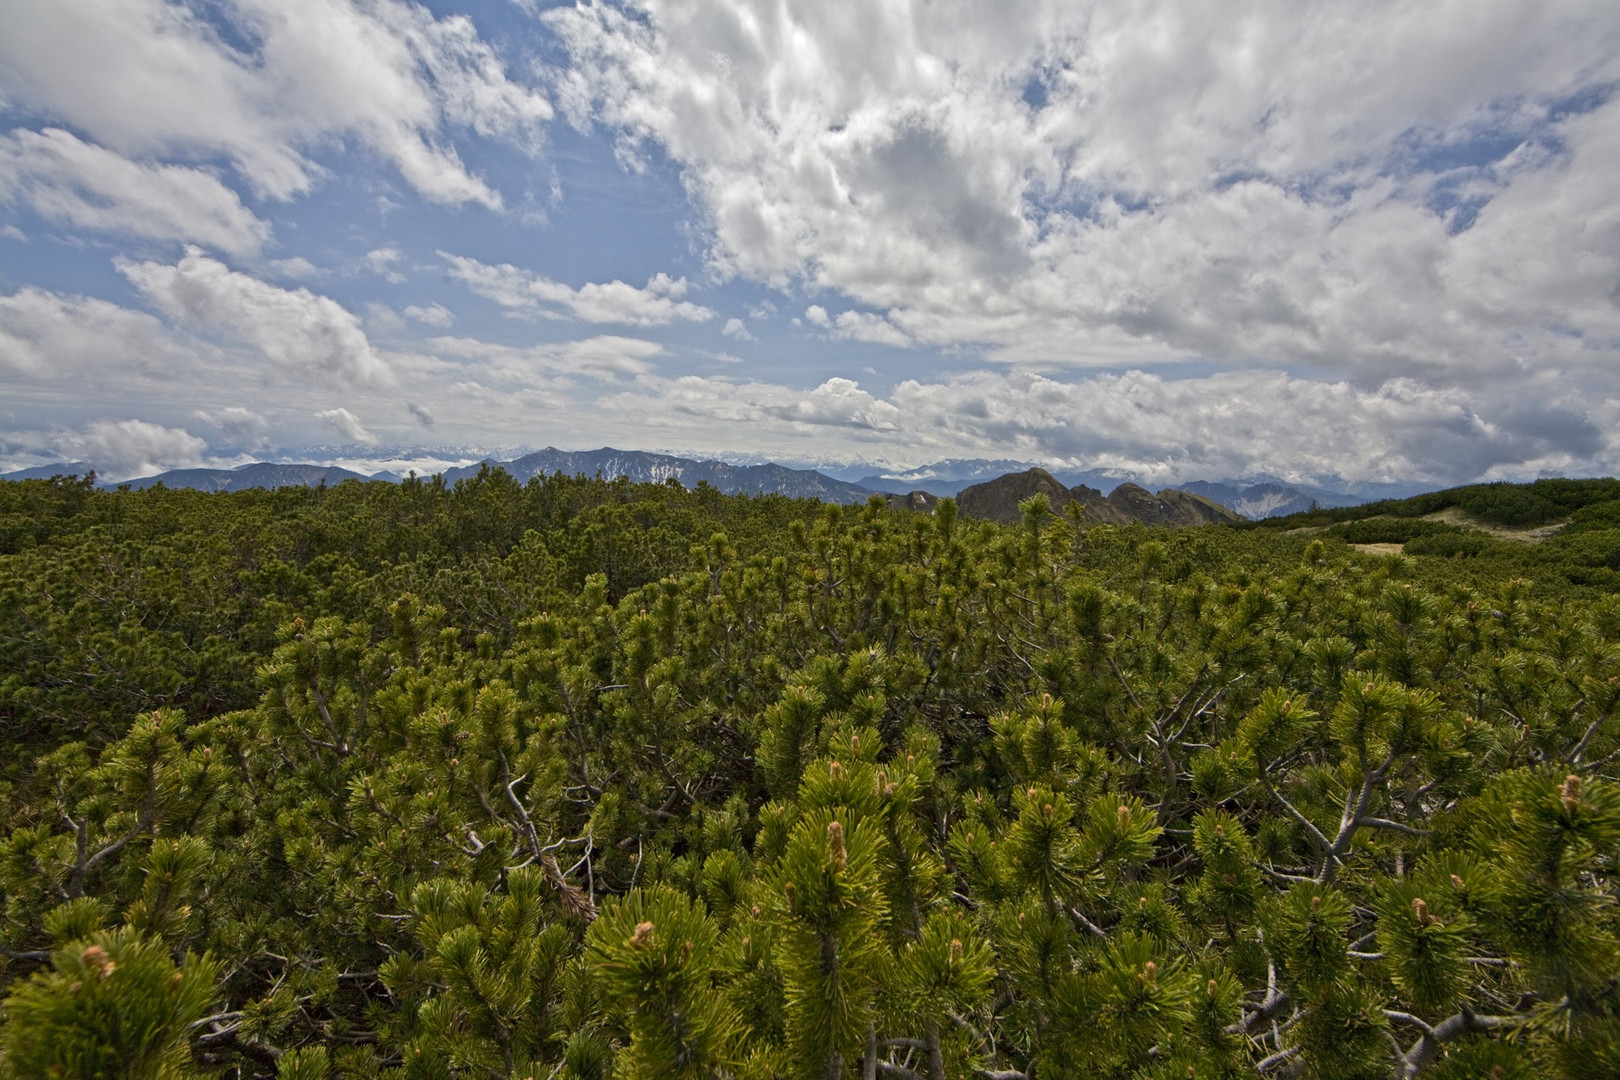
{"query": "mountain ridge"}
pixel 1257 497
pixel 999 499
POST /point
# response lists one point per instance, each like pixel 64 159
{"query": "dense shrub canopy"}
pixel 585 779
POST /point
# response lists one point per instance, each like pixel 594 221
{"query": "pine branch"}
pixel 1281 1057
pixel 1427 1048
pixel 1384 823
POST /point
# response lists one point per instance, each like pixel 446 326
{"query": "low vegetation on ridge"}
pixel 579 779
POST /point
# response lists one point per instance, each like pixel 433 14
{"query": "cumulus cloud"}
pixel 382 262
pixel 736 328
pixel 346 424
pixel 124 449
pixel 435 315
pixel 65 179
pixel 423 416
pixel 840 403
pixel 300 333
pixel 48 337
pixel 149 77
pixel 857 326
pixel 295 268
pixel 521 291
pixel 1158 429
pixel 1374 191
pixel 244 427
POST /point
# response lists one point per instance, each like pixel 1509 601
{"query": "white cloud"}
pixel 857 326
pixel 382 262
pixel 149 77
pixel 524 292
pixel 1134 184
pixel 77 183
pixel 46 337
pixel 603 357
pixel 736 328
pixel 435 315
pixel 864 326
pixel 1163 430
pixel 840 402
pixel 296 267
pixel 124 449
pixel 300 333
pixel 242 426
pixel 346 424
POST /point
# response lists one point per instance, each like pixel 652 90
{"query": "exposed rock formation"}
pixel 997 500
pixel 920 501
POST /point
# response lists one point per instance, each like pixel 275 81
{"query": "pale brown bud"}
pixel 1124 817
pixel 100 964
pixel 1316 903
pixel 1151 971
pixel 956 950
pixel 1046 811
pixel 1458 883
pixel 643 935
pixel 1571 792
pixel 837 770
pixel 1420 908
pixel 835 847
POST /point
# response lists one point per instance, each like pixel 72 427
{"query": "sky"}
pixel 1349 242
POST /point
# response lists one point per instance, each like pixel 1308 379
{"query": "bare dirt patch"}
pixel 1454 516
pixel 1379 549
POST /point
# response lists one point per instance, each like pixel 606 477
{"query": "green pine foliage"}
pixel 575 779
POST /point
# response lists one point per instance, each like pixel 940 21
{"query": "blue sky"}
pixel 1366 242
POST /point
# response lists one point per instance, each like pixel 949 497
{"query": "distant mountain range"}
pixel 950 477
pixel 260 474
pixel 1256 497
pixel 641 467
pixel 1259 497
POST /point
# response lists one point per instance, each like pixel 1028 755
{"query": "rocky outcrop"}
pixel 919 501
pixel 1176 509
pixel 1185 508
pixel 997 500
